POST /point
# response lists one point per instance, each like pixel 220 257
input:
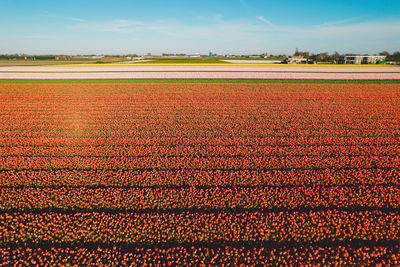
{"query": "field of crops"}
pixel 217 71
pixel 199 173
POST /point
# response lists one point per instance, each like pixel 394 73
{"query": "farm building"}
pixel 297 60
pixel 361 59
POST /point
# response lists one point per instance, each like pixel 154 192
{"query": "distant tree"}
pixel 335 57
pixel 394 57
pixel 384 53
pixel 323 57
pixel 313 57
pixel 296 53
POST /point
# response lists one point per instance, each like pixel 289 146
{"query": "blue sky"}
pixel 225 26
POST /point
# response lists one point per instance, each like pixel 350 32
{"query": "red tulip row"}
pixel 127 121
pixel 200 199
pixel 217 228
pixel 200 132
pixel 204 256
pixel 139 89
pixel 155 178
pixel 198 129
pixel 160 102
pixel 292 141
pixel 246 125
pixel 222 163
pixel 201 151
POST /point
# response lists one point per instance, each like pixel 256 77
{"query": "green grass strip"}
pixel 103 81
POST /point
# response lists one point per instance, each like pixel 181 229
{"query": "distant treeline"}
pixel 334 58
pixel 23 57
pixel 391 57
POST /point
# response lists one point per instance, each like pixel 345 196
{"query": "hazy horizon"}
pixel 226 27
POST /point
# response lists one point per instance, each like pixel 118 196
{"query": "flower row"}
pixel 200 141
pixel 201 256
pixel 218 228
pixel 386 197
pixel 223 163
pixel 193 132
pixel 155 178
pixel 201 151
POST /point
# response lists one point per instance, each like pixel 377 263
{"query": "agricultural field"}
pixel 200 172
pixel 201 71
pixel 45 61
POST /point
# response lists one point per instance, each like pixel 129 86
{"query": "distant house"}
pixel 360 59
pixel 297 60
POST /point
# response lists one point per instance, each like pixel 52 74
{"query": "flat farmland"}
pixel 200 173
pixel 218 71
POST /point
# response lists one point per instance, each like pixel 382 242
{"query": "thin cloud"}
pixel 39 37
pixel 262 19
pixel 242 27
pixel 115 26
pixel 242 36
pixel 342 21
pixel 49 15
pixel 217 18
pixel 76 19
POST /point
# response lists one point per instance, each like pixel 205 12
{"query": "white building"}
pixel 361 59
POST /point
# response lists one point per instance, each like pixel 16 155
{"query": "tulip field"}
pixel 203 71
pixel 199 174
